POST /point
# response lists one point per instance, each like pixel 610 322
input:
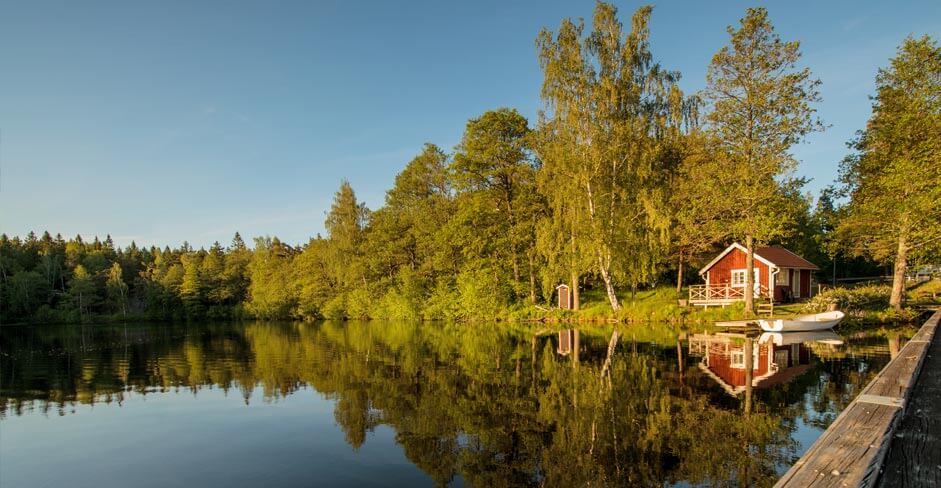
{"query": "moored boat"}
pixel 817 321
pixel 786 339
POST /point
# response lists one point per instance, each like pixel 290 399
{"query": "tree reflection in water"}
pixel 595 407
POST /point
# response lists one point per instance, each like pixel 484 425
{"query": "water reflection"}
pixel 476 405
pixel 771 358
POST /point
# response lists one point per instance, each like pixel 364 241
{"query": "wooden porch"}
pixel 720 295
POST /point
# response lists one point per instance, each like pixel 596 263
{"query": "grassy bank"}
pixel 863 305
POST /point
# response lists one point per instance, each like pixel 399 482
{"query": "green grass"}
pixel 864 306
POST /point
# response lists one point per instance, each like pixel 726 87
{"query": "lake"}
pixel 389 403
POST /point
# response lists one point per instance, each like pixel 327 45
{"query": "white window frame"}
pixel 744 273
pixel 737 359
pixel 782 277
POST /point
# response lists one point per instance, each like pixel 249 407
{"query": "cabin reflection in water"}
pixel 776 358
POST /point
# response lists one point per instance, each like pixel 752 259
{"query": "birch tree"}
pixel 606 103
pixel 761 105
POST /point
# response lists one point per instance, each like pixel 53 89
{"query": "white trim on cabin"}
pixel 734 245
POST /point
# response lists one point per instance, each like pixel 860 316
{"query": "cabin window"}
pixel 781 278
pixel 738 359
pixel 738 277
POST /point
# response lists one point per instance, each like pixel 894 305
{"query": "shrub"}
pixel 358 302
pixel 929 291
pixel 871 297
pixel 335 307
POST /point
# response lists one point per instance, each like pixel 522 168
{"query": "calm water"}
pixel 379 404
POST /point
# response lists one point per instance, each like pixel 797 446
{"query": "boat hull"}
pixel 820 321
pixel 786 339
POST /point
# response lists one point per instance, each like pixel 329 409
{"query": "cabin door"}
pixel 757 283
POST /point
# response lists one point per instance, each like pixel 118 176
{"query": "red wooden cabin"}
pixel 780 275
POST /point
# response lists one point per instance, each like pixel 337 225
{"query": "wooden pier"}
pixel 851 452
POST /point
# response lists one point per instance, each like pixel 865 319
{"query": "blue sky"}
pixel 170 121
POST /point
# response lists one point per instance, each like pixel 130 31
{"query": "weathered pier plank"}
pixel 850 453
pixel 914 458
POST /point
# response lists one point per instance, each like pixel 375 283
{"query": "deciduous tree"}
pixel 894 178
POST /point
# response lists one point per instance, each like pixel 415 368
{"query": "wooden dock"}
pixel 851 452
pixel 914 458
pixel 737 324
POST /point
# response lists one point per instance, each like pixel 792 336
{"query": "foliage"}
pixel 602 142
pixel 929 291
pixel 624 182
pixel 867 304
pixel 761 105
pixel 869 297
pixel 892 179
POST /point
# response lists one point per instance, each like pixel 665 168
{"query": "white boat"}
pixel 785 339
pixel 817 321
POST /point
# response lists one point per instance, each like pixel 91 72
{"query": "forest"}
pixel 623 184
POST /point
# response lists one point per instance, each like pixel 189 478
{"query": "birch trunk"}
pixel 608 285
pixel 898 277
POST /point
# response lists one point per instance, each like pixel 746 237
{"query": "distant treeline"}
pixel 623 183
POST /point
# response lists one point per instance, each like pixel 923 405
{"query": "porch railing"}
pixel 710 293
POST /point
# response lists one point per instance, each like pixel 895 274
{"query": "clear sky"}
pixel 166 121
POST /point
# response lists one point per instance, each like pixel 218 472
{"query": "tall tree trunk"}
pixel 532 278
pixel 750 276
pixel 511 218
pixel 898 277
pixel 575 299
pixel 576 303
pixel 679 274
pixel 749 373
pixel 608 285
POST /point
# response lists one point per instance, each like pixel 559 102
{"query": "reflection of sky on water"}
pixel 214 438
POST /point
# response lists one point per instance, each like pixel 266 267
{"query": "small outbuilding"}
pixel 780 275
pixel 565 296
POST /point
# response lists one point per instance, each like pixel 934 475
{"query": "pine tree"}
pixel 761 106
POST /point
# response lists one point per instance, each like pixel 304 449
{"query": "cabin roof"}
pixel 774 256
pixel 784 258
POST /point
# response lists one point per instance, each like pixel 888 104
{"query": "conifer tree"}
pixel 762 104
